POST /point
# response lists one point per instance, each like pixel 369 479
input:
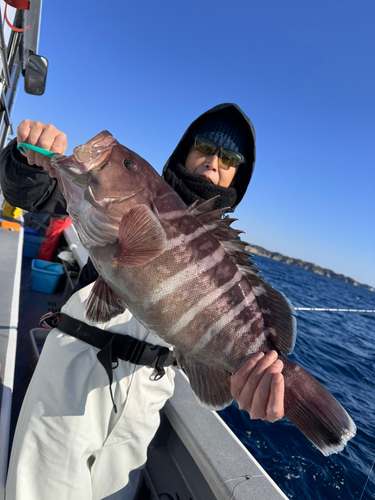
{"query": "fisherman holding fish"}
pixel 74 438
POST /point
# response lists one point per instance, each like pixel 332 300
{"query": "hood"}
pixel 222 111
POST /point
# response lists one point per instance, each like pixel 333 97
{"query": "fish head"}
pixel 107 173
pixel 73 172
pixel 101 181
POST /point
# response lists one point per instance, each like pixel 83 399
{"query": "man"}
pixel 69 442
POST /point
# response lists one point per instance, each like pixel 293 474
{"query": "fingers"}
pixel 240 378
pixel 43 135
pixel 258 387
pixel 275 408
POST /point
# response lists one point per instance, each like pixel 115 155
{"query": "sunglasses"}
pixel 228 158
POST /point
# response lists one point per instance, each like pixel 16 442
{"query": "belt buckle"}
pixel 158 364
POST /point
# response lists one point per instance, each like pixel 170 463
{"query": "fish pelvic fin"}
pixel 103 304
pixel 211 386
pixel 314 411
pixel 141 238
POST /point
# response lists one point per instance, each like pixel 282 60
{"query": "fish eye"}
pixel 130 165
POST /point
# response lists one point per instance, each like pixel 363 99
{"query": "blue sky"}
pixel 302 71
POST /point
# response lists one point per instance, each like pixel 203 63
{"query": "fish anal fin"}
pixel 141 237
pixel 210 385
pixel 103 304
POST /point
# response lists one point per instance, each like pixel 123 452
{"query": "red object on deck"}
pixel 19 4
pixel 48 248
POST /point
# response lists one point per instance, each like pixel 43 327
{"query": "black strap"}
pixel 113 346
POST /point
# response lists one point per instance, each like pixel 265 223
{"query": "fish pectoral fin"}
pixel 103 304
pixel 211 385
pixel 141 237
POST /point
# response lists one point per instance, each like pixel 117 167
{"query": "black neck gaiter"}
pixel 192 187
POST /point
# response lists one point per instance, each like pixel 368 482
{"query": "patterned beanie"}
pixel 225 134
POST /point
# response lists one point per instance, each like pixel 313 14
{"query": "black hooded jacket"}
pixel 221 112
pixel 28 187
pixel 32 189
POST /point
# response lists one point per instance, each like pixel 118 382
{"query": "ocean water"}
pixel 338 348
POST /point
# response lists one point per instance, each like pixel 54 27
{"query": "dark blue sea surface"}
pixel 338 348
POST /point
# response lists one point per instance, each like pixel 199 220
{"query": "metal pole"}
pixel 3 55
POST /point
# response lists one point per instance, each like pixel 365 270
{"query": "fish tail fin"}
pixel 313 409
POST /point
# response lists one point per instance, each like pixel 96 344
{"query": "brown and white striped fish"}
pixel 184 274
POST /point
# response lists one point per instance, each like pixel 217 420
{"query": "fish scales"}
pixel 183 273
pixel 218 285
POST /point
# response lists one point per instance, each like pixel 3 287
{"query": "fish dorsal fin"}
pixel 214 217
pixel 278 312
pixel 102 303
pixel 279 318
pixel 141 237
pixel 191 207
pixel 197 209
pixel 228 237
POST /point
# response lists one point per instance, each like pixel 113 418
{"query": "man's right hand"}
pixel 258 387
pixel 44 136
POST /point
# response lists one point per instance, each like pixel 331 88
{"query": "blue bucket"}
pixel 31 245
pixel 45 275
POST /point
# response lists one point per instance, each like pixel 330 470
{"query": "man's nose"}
pixel 213 161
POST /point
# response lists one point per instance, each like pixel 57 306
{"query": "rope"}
pixel 246 478
pixel 334 310
pixel 368 477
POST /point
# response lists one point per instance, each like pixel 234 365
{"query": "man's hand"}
pixel 258 387
pixel 44 136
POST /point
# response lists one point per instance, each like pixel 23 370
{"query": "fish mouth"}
pixel 95 152
pixel 64 167
pixel 91 159
pixel 66 164
pixel 104 203
pixel 90 156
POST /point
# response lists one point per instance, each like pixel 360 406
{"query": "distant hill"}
pixel 254 249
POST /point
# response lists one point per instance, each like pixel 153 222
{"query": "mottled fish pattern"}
pixel 184 274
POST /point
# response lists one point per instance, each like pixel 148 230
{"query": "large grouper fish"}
pixel 185 275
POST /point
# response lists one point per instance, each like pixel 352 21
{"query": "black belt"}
pixel 113 346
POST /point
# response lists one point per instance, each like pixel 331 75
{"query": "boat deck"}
pixel 10 276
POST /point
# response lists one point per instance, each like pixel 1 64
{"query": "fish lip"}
pixel 75 169
pixel 78 168
pixel 104 202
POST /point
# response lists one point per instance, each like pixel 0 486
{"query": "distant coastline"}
pixel 254 249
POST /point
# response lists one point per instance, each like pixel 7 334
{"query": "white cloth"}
pixel 69 443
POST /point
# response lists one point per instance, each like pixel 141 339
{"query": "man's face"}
pixel 208 167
